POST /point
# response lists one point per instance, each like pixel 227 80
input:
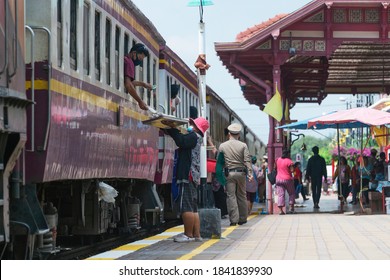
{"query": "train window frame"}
pixel 86 39
pixel 97 44
pixel 182 106
pixel 126 48
pixel 107 49
pixel 60 49
pixel 141 78
pixel 148 79
pixel 154 80
pixel 73 34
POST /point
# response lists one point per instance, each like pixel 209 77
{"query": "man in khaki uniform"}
pixel 237 167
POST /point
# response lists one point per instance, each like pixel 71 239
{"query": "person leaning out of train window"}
pixel 134 58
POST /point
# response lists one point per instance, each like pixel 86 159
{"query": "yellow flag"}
pixel 274 107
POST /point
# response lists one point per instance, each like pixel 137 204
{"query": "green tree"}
pixel 309 142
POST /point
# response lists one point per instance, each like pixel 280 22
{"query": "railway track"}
pixel 83 252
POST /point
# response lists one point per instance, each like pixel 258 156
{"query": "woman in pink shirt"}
pixel 285 181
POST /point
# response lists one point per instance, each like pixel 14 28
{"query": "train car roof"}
pixel 146 23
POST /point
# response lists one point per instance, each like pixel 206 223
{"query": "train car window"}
pixel 148 80
pixel 86 47
pixel 167 96
pixel 126 44
pixel 182 103
pixel 73 34
pixel 141 78
pixel 117 39
pixel 107 51
pixel 59 33
pixel 154 81
pixel 97 45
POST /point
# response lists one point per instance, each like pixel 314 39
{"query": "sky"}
pixel 178 24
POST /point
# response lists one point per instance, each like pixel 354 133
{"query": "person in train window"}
pixel 193 112
pixel 188 176
pixel 175 99
pixel 237 165
pixel 134 58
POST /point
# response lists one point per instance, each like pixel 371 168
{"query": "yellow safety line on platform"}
pixel 210 242
pixel 130 247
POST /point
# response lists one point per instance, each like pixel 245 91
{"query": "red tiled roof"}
pixel 251 31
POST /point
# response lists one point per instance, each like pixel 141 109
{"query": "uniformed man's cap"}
pixel 234 128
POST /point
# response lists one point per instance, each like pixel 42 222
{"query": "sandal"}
pixel 282 213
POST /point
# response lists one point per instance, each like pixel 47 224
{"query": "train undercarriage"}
pixel 60 216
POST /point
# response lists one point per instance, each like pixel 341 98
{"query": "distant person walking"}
pixel 262 183
pixel 298 182
pixel 315 171
pixel 237 165
pixel 343 175
pixel 252 186
pixel 218 187
pixel 285 182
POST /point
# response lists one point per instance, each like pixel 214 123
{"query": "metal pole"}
pixel 202 98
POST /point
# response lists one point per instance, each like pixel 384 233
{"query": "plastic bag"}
pixel 272 176
pixel 335 185
pixel 107 193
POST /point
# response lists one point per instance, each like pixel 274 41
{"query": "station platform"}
pixel 324 234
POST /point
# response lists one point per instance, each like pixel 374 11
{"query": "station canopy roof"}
pixel 326 47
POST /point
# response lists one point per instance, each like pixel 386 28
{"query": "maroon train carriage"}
pixel 85 162
pixel 21 216
pixel 86 138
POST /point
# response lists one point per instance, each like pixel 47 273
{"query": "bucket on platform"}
pixel 388 205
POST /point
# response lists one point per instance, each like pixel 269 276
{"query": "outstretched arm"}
pixel 129 85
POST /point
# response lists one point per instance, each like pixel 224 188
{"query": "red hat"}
pixel 201 124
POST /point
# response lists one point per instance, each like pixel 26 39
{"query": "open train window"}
pixel 97 45
pixel 126 44
pixel 154 81
pixel 59 33
pixel 73 34
pixel 108 51
pixel 141 78
pixel 182 103
pixel 168 96
pixel 86 47
pixel 117 39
